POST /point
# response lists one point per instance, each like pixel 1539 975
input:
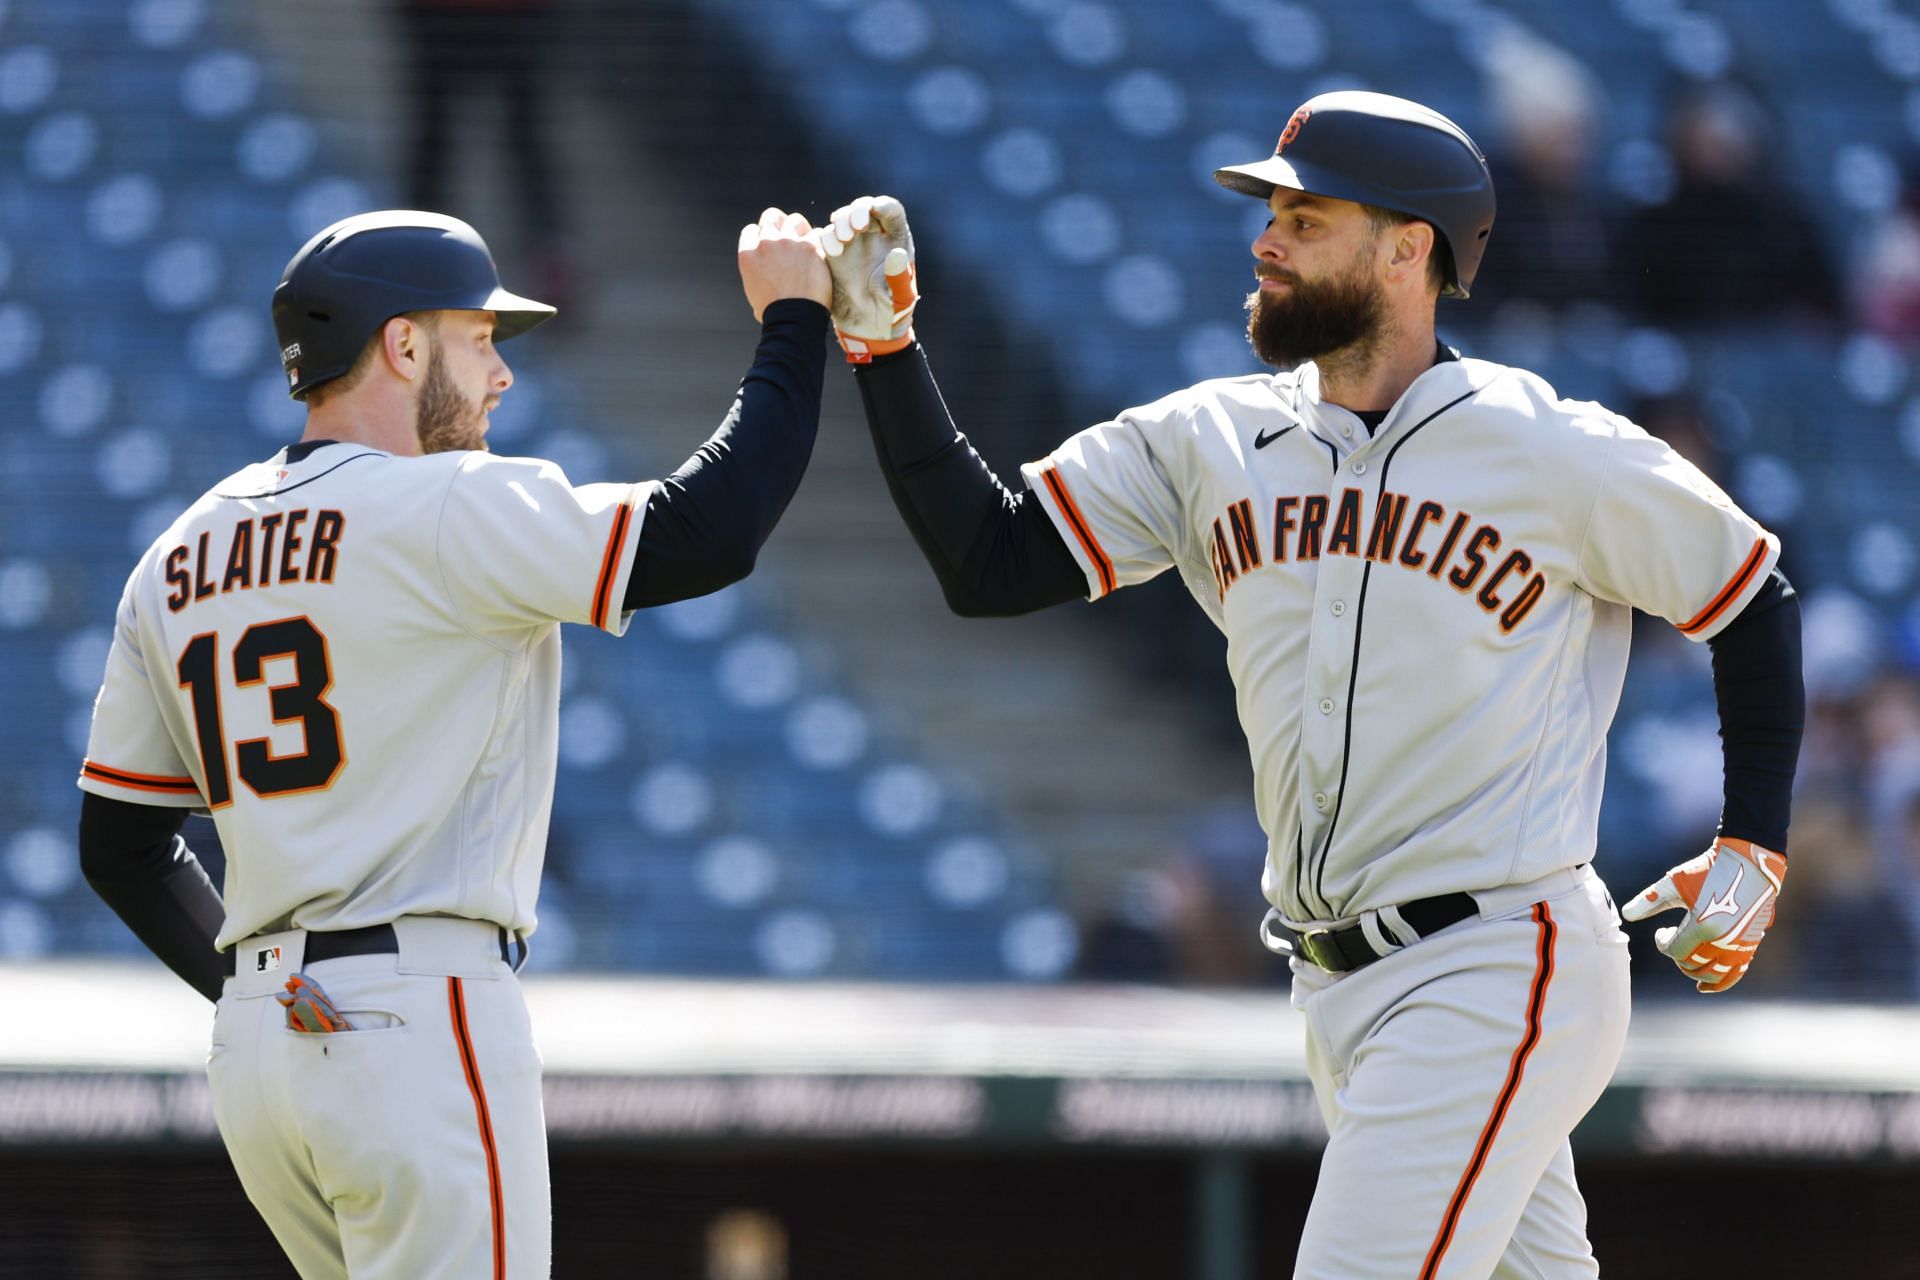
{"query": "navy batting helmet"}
pixel 362 271
pixel 1375 149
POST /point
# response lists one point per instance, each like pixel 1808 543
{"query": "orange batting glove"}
pixel 870 257
pixel 309 1009
pixel 1729 893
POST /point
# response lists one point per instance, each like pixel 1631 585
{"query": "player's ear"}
pixel 403 342
pixel 1412 245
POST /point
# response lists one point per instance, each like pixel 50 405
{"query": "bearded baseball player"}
pixel 349 655
pixel 1425 567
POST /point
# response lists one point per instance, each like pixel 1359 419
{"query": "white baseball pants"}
pixel 410 1148
pixel 1450 1074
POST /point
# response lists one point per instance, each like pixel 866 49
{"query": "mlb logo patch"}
pixel 266 960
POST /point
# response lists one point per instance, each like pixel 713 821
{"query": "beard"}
pixel 446 419
pixel 1315 318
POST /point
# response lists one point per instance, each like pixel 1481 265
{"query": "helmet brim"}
pixel 514 315
pixel 1260 178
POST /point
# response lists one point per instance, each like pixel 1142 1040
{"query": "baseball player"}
pixel 349 655
pixel 1425 568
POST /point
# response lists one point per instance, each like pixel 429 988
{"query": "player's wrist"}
pixel 795 314
pixel 866 350
pixel 1771 865
pixel 1749 848
pixel 796 306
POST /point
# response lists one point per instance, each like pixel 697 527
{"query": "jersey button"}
pixel 1319 799
pixel 1326 706
pixel 1359 468
pixel 1339 608
pixel 1345 430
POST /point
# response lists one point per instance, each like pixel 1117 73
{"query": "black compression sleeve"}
pixel 1763 711
pixel 707 521
pixel 134 858
pixel 995 552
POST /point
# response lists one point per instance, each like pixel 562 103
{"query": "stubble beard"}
pixel 447 420
pixel 1339 317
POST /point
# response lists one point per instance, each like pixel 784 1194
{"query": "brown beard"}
pixel 446 419
pixel 1316 317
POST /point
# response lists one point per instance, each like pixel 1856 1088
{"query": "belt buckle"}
pixel 1310 945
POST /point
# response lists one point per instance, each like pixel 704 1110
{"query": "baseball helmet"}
pixel 362 271
pixel 1375 149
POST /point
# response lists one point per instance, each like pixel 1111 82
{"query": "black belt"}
pixel 378 939
pixel 1344 950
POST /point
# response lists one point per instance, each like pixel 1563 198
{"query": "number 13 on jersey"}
pixel 301 699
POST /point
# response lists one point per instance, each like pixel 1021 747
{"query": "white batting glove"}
pixel 870 256
pixel 1729 893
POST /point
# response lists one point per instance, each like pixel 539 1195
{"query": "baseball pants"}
pixel 409 1148
pixel 1450 1074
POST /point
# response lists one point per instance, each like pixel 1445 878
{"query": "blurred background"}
pixel 1709 220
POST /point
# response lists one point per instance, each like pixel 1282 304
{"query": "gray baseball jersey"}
pixel 352 661
pixel 1427 626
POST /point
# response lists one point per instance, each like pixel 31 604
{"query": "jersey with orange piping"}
pixel 1427 626
pixel 352 660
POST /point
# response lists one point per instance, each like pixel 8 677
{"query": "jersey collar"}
pixel 1444 381
pixel 278 473
pixel 301 451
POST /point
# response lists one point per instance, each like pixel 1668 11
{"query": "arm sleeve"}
pixel 1665 539
pixel 995 552
pixel 706 523
pixel 134 858
pixel 1762 701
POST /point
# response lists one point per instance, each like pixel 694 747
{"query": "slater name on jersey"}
pixel 1429 540
pixel 262 551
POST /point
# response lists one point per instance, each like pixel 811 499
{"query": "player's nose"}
pixel 502 376
pixel 1268 246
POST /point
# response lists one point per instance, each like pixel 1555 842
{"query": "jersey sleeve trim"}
pixel 1736 587
pixel 603 592
pixel 142 781
pixel 1082 531
pixel 163 784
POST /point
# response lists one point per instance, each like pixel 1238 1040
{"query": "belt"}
pixel 1346 949
pixel 379 939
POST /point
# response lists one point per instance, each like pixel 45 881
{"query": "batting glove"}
pixel 870 257
pixel 309 1009
pixel 1729 893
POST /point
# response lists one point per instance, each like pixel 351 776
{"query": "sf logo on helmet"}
pixel 1292 130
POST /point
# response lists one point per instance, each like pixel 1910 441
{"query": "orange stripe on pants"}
pixel 457 1004
pixel 1536 1004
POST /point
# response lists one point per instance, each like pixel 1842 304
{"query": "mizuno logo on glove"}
pixel 1727 904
